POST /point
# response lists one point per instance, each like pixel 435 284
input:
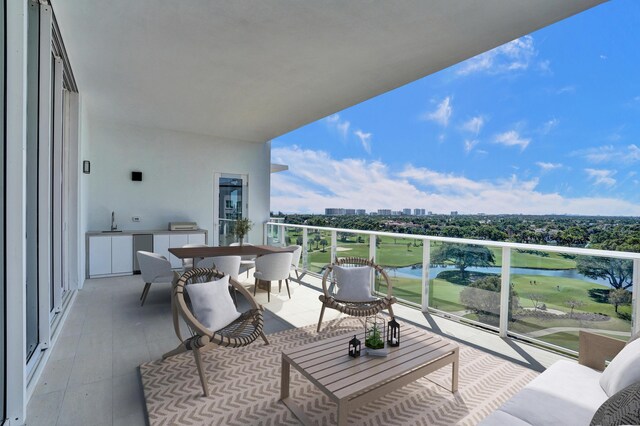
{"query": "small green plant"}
pixel 242 228
pixel 374 338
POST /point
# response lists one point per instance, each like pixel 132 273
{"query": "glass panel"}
pixel 291 236
pixel 319 250
pixel 32 182
pixel 465 281
pixel 352 245
pixel 402 260
pixel 561 294
pixel 2 220
pixel 230 202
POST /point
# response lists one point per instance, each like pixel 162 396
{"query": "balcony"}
pixel 93 370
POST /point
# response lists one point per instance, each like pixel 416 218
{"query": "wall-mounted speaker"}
pixel 136 176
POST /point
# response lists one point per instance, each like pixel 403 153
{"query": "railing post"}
pixel 305 250
pixel 282 235
pixel 635 300
pixel 426 262
pixel 372 247
pixel 505 291
pixel 265 233
pixel 334 245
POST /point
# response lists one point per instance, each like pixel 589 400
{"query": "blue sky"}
pixel 548 123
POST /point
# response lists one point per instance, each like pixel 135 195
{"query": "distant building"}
pixel 334 212
pixel 361 211
pixel 384 212
pixel 406 212
pixel 418 212
pixel 350 211
pixel 396 213
pixel 454 213
pixel 430 213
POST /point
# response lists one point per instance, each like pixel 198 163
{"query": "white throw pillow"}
pixel 353 283
pixel 623 370
pixel 212 304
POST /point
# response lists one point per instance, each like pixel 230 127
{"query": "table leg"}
pixel 343 413
pixel 284 379
pixel 454 372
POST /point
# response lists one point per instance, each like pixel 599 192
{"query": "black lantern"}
pixel 354 347
pixel 393 332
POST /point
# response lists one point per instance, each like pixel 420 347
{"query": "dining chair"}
pixel 248 262
pixel 190 263
pixel 154 268
pixel 273 267
pixel 296 252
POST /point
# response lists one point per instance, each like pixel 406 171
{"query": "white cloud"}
pixel 342 126
pixel 601 176
pixel 469 144
pixel 315 181
pixel 474 125
pixel 513 56
pixel 365 139
pixel 603 57
pixel 548 166
pixel 608 153
pixel 442 113
pixel 511 138
pixel 549 125
pixel 566 89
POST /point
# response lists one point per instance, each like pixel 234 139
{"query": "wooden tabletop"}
pixel 327 364
pixel 191 252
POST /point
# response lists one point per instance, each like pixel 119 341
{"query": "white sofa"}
pixel 568 393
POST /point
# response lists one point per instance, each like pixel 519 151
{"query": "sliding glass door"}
pixel 230 204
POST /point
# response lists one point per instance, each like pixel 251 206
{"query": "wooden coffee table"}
pixel 352 382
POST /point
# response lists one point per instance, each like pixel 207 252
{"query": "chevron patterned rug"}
pixel 245 387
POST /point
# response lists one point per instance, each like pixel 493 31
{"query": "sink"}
pixel 110 232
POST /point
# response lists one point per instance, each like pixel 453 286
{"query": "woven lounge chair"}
pixel 356 309
pixel 241 332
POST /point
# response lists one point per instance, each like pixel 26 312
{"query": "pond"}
pixel 410 272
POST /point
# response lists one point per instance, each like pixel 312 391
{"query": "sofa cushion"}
pixel 623 408
pixel 500 418
pixel 623 370
pixel 565 394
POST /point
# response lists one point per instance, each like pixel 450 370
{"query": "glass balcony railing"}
pixel 543 294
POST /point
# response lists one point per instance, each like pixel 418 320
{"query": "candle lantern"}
pixel 354 347
pixel 393 332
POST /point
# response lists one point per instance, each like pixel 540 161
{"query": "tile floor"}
pixel 92 375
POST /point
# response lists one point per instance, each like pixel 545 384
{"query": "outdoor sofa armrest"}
pixel 595 349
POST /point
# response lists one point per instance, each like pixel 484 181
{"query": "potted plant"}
pixel 374 332
pixel 242 228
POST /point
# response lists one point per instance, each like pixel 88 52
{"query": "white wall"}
pixel 177 170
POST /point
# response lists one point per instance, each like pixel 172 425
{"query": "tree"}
pixel 323 243
pixel 619 296
pixel 483 297
pixel 618 272
pixel 299 241
pixel 572 304
pixel 537 299
pixel 463 256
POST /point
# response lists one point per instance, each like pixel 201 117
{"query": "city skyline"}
pixel 546 124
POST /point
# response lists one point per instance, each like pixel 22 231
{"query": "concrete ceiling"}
pixel 255 69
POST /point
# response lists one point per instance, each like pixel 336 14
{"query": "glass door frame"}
pixel 216 200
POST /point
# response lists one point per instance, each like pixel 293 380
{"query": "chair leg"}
pixel 297 274
pixel 180 349
pixel 269 292
pixel 145 292
pixel 203 379
pixel 321 315
pixel 279 286
pixel 288 292
pixel 255 287
pixel 266 341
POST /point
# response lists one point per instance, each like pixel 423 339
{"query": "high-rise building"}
pixel 418 212
pixel 406 212
pixel 349 211
pixel 334 212
pixel 361 211
pixel 454 213
pixel 384 212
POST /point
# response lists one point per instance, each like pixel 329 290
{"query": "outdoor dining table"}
pixel 246 250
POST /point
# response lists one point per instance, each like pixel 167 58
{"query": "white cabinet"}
pixel 122 254
pixel 99 255
pixel 110 255
pixel 177 240
pixel 161 245
pixel 196 238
